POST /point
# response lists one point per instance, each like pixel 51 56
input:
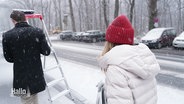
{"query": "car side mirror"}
pixel 164 35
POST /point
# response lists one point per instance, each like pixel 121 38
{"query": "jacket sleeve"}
pixel 45 49
pixel 117 90
pixel 6 50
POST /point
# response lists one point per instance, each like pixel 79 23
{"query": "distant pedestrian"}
pixel 130 69
pixel 22 46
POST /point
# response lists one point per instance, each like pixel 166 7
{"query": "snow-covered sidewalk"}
pixel 84 78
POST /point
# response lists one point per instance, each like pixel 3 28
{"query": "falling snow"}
pixel 37 40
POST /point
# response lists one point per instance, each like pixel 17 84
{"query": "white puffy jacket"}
pixel 130 75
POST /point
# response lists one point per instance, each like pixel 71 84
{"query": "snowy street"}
pixel 79 63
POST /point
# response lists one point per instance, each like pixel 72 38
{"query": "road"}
pixel 172 67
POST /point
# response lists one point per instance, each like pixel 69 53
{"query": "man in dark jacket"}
pixel 23 46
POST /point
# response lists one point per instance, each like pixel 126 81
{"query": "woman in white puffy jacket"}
pixel 130 69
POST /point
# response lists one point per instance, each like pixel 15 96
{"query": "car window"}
pixel 67 33
pixel 173 32
pixel 165 33
pixel 168 32
pixel 154 33
pixel 86 33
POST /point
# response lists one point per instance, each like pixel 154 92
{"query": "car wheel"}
pixel 94 40
pixel 159 45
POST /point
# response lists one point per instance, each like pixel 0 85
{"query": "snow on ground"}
pixel 83 79
pixel 167 95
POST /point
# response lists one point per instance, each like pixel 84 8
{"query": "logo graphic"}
pixel 17 92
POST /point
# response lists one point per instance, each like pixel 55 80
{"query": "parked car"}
pixel 93 36
pixel 77 36
pixel 66 35
pixel 102 38
pixel 178 42
pixel 159 37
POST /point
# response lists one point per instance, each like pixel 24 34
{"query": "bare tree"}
pixel 96 14
pixel 116 12
pixel 79 7
pixel 104 3
pixel 49 14
pixel 72 16
pixel 56 13
pixel 60 16
pixel 87 14
pixel 165 13
pixel 179 3
pixel 132 4
pixel 152 11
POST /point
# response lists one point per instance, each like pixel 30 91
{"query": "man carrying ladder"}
pixel 23 46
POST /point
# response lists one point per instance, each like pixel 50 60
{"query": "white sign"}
pixel 156 24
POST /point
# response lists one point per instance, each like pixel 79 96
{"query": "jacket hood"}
pixel 136 59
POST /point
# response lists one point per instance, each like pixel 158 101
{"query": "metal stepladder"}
pixel 29 15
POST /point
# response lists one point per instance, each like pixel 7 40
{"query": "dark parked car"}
pixel 77 36
pixel 159 37
pixel 93 36
pixel 66 35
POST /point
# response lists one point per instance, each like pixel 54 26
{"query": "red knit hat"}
pixel 120 31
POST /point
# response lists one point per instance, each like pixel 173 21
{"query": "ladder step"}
pixel 50 84
pixel 51 68
pixel 60 94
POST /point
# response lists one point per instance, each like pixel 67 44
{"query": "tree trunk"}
pixel 100 15
pixel 87 15
pixel 179 16
pixel 132 4
pixel 56 14
pixel 79 5
pixel 152 11
pixel 60 16
pixel 141 22
pixel 170 15
pixel 72 16
pixel 116 12
pixel 105 13
pixel 95 15
pixel 49 15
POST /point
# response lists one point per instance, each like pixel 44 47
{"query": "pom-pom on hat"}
pixel 120 31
